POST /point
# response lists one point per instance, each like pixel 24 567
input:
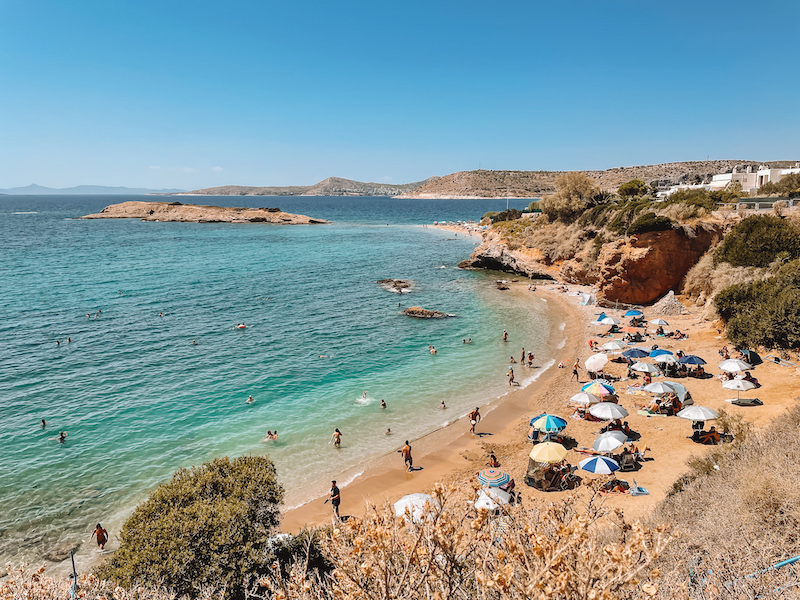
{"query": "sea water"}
pixel 156 377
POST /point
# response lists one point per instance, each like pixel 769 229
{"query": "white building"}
pixel 723 180
pixel 749 181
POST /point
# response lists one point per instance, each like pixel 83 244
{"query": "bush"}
pixel 633 188
pixel 576 191
pixel 511 214
pixel 208 527
pixel 764 313
pixel 757 240
pixel 626 214
pixel 534 206
pixel 649 222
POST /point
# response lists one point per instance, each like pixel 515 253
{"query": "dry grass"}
pixel 706 279
pixel 737 513
pixel 558 241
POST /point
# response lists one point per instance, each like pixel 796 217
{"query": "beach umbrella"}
pixel 608 411
pixel 679 389
pixel 732 365
pixel 659 352
pixel 740 385
pixel 633 313
pixel 610 440
pixel 636 353
pixel 609 321
pixel 644 368
pixel 601 465
pixel 691 359
pixel 492 499
pixel 598 388
pixel 698 413
pixel 596 362
pixel 493 477
pixel 548 452
pixel 584 398
pixel 629 329
pixel 661 322
pixel 548 423
pixel 658 387
pixel 614 345
pixel 666 359
pixel 415 507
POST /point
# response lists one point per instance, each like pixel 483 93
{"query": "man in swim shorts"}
pixel 406 452
pixel 334 498
pixel 474 417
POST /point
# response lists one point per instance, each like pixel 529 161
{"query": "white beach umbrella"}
pixel 596 362
pixel 666 359
pixel 733 365
pixel 415 507
pixel 584 398
pixel 610 440
pixel 608 411
pixel 680 391
pixel 740 385
pixel 661 322
pixel 609 321
pixel 614 345
pixel 658 387
pixel 643 367
pixel 698 413
pixel 492 498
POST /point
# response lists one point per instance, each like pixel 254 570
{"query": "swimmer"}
pixel 44 423
pixel 160 314
pixel 194 342
pixel 383 403
pixel 388 431
pixel 512 360
pixel 464 341
pixel 69 340
pixel 62 437
pixel 469 341
pixel 442 405
pixel 336 438
pixel 364 395
pixel 433 350
pixel 58 342
pixel 269 435
pixel 88 316
pixel 250 400
pixel 274 435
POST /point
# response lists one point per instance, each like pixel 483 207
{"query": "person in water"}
pixel 102 536
pixel 336 438
pixel 44 423
pixel 505 335
pixel 383 403
pixel 62 437
pixel 442 405
pixel 250 400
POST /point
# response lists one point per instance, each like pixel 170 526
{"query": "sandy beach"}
pixel 452 454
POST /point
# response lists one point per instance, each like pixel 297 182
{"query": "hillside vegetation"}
pixel 332 186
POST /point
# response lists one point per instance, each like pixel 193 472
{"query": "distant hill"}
pixel 83 190
pixel 532 184
pixel 332 186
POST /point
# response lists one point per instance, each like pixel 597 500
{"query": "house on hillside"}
pixel 749 180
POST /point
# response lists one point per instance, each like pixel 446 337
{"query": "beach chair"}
pixel 637 490
pixel 627 462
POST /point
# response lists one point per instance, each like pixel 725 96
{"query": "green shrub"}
pixel 576 192
pixel 626 215
pixel 757 241
pixel 511 214
pixel 699 198
pixel 489 215
pixel 633 188
pixel 534 206
pixel 649 222
pixel 766 312
pixel 208 527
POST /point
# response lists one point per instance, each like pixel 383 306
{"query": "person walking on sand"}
pixel 522 358
pixel 474 417
pixel 575 368
pixel 505 335
pixel 335 499
pixel 102 537
pixel 510 376
pixel 336 438
pixel 406 452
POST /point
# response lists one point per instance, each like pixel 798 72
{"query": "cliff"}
pixel 192 213
pixel 332 186
pixel 532 184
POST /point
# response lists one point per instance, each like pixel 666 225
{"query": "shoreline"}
pixel 443 453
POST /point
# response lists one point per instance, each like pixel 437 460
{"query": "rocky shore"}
pixel 192 213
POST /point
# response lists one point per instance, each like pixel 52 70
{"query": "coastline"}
pixel 447 453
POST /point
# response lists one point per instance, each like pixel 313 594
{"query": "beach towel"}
pixel 647 413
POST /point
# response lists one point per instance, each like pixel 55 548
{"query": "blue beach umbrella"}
pixel 633 313
pixel 548 423
pixel 599 464
pixel 659 352
pixel 636 353
pixel 691 359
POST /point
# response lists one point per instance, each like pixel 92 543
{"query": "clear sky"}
pixel 195 93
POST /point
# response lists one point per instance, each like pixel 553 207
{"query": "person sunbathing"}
pixel 710 437
pixel 493 461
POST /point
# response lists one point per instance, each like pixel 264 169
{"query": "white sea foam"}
pixel 340 484
pixel 529 380
pixel 562 344
pixel 26 212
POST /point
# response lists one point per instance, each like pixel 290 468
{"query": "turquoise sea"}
pixel 139 399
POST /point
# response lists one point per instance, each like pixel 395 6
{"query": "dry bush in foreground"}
pixel 737 519
pixel 705 278
pixel 559 552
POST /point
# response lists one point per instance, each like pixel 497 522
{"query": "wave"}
pixel 529 380
pixel 26 212
pixel 341 484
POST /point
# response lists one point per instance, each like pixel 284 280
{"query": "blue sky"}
pixel 192 94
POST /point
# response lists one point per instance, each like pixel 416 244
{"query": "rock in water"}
pixel 398 286
pixel 424 313
pixel 192 213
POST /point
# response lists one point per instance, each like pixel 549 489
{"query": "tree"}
pixel 756 241
pixel 209 526
pixel 575 192
pixel 633 188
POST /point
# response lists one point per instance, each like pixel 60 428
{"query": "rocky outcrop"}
pixel 423 313
pixel 397 286
pixel 641 269
pixel 192 213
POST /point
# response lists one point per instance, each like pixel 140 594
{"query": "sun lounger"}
pixel 637 490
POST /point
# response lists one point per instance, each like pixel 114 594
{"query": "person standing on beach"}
pixel 474 417
pixel 575 368
pixel 336 438
pixel 510 376
pixel 522 358
pixel 102 536
pixel 334 498
pixel 406 452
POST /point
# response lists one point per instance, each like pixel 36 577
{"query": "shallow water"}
pixel 140 400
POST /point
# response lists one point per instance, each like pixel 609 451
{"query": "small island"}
pixel 193 213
